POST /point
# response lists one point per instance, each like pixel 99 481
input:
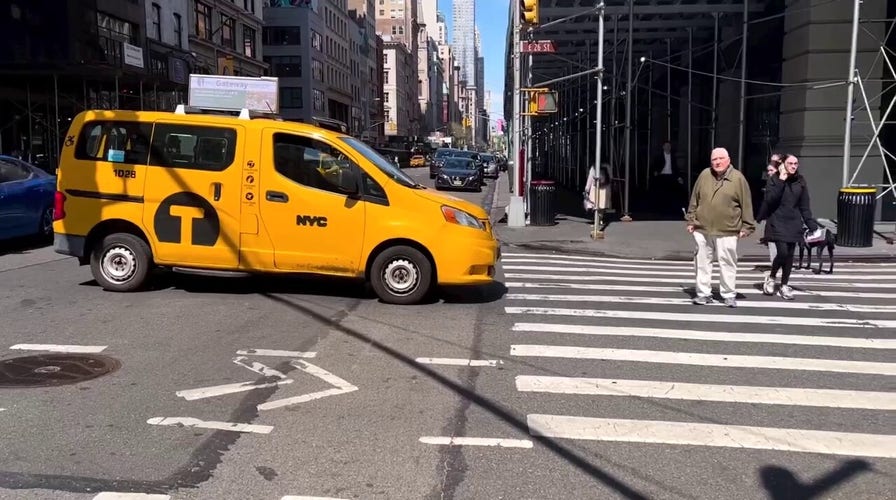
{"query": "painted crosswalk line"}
pixel 829 398
pixel 660 272
pixel 459 361
pixel 706 318
pixel 794 281
pixel 716 435
pixel 683 289
pixel 714 335
pixel 613 265
pixel 666 262
pixel 686 301
pixel 474 441
pixel 73 349
pixel 701 359
pixel 111 495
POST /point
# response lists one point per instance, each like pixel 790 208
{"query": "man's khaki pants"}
pixel 725 248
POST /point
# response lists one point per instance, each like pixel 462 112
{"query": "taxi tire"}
pixel 142 256
pixel 397 254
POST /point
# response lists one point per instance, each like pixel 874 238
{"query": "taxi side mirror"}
pixel 348 181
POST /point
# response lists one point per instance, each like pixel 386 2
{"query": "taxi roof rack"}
pixel 244 114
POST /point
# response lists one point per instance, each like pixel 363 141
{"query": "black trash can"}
pixel 541 203
pixel 855 216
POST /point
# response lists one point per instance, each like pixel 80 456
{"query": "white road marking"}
pixel 259 368
pixel 220 390
pixel 707 392
pixel 604 262
pixel 688 282
pixel 707 318
pixel 459 362
pixel 741 274
pixel 768 338
pixel 701 359
pixel 341 387
pixel 733 436
pixel 680 289
pixel 686 301
pixel 294 497
pixel 275 352
pixel 110 495
pixel 472 441
pixel 661 262
pixel 81 349
pixel 221 426
pixel 2 409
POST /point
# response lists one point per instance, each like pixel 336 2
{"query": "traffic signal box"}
pixel 529 12
pixel 540 102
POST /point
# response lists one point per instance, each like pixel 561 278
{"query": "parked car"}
pixel 459 173
pixel 473 155
pixel 26 200
pixel 438 159
pixel 490 165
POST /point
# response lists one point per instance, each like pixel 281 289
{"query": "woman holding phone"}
pixel 785 209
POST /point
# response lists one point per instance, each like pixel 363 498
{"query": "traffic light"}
pixel 529 12
pixel 546 102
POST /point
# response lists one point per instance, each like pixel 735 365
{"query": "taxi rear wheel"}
pixel 401 275
pixel 121 262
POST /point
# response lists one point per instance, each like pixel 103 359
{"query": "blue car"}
pixel 26 200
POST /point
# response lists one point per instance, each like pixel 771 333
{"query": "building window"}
pixel 178 30
pixel 203 21
pixel 318 98
pixel 291 97
pixel 286 66
pixel 249 41
pixel 317 70
pixel 228 29
pixel 249 5
pixel 282 36
pixel 156 22
pixel 316 41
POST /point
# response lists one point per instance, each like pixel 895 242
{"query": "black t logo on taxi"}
pixel 187 217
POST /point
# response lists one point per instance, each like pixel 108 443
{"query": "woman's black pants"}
pixel 783 260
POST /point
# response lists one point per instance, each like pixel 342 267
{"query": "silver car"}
pixel 490 164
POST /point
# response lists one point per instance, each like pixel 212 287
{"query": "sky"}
pixel 491 17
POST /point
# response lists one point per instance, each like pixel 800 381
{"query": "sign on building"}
pixel 230 93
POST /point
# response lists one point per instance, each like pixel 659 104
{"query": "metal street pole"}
pixel 649 122
pixel 516 214
pixel 598 125
pixel 628 111
pixel 715 78
pixel 690 99
pixel 850 89
pixel 743 91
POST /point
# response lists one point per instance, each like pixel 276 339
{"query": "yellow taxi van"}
pixel 222 195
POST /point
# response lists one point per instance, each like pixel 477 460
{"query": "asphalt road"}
pixel 691 401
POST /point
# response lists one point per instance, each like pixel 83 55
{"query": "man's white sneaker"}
pixel 786 292
pixel 768 287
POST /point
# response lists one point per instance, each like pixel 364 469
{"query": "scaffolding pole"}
pixel 516 216
pixel 30 122
pixel 715 78
pixel 743 89
pixel 649 121
pixel 628 112
pixel 598 125
pixel 669 91
pixel 690 99
pixel 850 90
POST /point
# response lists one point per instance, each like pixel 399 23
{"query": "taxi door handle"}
pixel 217 190
pixel 276 196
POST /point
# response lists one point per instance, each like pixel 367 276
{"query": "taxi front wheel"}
pixel 401 275
pixel 121 262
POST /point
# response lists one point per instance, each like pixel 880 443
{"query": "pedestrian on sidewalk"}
pixel 785 209
pixel 597 189
pixel 667 181
pixel 720 212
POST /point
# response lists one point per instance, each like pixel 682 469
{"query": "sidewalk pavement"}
pixel 646 239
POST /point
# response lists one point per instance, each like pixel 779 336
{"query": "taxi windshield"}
pixel 384 165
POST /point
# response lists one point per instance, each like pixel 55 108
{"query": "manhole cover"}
pixel 49 370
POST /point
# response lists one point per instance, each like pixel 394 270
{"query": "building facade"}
pixel 371 59
pixel 398 90
pixel 462 38
pixel 225 37
pixel 397 22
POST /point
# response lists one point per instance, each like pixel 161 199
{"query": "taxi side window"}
pixel 194 147
pixel 114 141
pixel 309 162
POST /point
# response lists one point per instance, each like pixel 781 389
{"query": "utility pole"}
pixel 516 213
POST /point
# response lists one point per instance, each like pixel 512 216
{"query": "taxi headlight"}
pixel 457 216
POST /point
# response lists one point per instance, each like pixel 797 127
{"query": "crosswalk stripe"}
pixel 716 435
pixel 744 261
pixel 706 318
pixel 667 264
pixel 770 338
pixel 701 359
pixel 679 289
pixel 829 398
pixel 748 274
pixel 686 301
pixel 636 279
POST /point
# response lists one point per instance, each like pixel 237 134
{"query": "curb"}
pixel 677 256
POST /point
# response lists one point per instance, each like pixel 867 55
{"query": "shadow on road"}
pixel 23 245
pixel 782 484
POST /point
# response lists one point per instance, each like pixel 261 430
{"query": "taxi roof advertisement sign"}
pixel 234 93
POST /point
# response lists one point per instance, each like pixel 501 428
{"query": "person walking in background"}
pixel 720 212
pixel 785 209
pixel 667 181
pixel 771 170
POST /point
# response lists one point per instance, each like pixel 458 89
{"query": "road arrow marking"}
pixel 275 352
pixel 220 390
pixel 472 441
pixel 220 426
pixel 340 387
pixel 459 362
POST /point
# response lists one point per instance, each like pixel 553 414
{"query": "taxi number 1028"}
pixel 131 174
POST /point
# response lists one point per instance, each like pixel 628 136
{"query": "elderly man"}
pixel 720 212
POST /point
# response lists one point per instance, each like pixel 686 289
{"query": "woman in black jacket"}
pixel 785 210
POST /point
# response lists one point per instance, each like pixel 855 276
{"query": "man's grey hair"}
pixel 722 151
